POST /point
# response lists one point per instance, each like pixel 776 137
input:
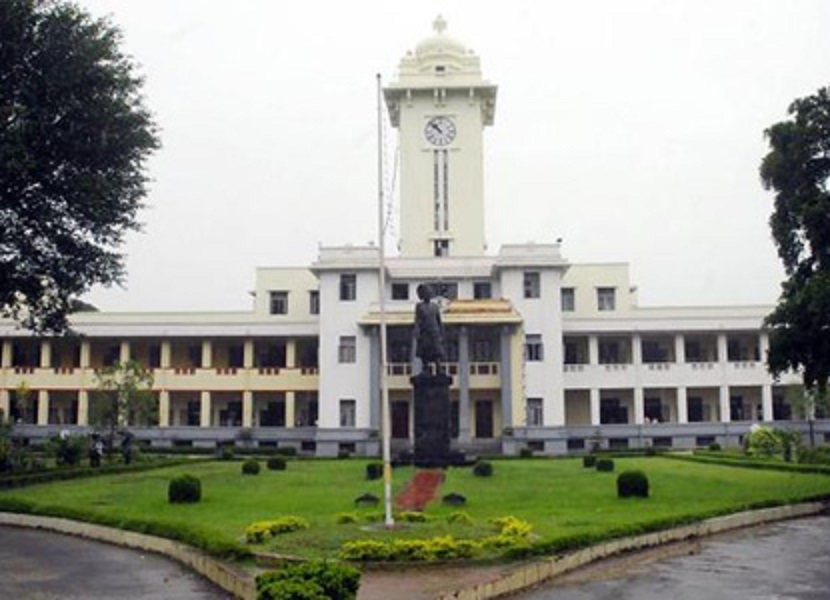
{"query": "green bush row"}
pixel 25 479
pixel 314 580
pixel 175 531
pixel 259 531
pixel 751 463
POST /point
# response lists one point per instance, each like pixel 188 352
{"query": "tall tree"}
pixel 797 168
pixel 74 140
pixel 123 398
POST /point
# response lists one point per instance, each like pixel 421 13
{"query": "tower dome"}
pixel 439 44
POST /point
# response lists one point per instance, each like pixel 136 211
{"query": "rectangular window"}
pixel 314 302
pixel 442 248
pixel 533 347
pixel 348 412
pixel 482 290
pixel 348 287
pixel 445 289
pixel 609 353
pixel 347 350
pixel 532 285
pixel 568 299
pixel 400 291
pixel 534 412
pixel 279 303
pixel 606 298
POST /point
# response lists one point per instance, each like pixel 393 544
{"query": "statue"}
pixel 96 450
pixel 428 330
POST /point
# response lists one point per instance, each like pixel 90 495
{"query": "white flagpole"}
pixel 389 519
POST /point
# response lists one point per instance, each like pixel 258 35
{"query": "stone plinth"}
pixel 432 419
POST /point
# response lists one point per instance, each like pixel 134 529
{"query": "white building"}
pixel 545 354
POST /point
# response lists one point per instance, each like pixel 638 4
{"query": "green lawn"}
pixel 559 497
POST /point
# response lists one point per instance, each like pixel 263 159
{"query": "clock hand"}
pixel 436 127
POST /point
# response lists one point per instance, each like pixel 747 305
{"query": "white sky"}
pixel 632 129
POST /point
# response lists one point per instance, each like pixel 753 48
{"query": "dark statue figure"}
pixel 428 330
pixel 127 447
pixel 431 387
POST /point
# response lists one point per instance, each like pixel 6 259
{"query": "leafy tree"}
pixel 797 168
pixel 123 398
pixel 74 140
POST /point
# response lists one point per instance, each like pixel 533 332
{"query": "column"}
pixel 722 348
pixel 593 350
pixel 506 379
pixel 290 401
pixel 86 355
pixel 247 408
pixel 766 402
pixel 639 411
pixel 679 349
pixel 636 350
pixel 43 407
pixel 83 407
pixel 375 409
pixel 724 404
pixel 464 386
pixel 207 354
pixel 248 354
pixel 205 409
pixel 5 405
pixel 45 354
pixel 164 408
pixel 291 353
pixel 166 354
pixel 124 352
pixel 763 347
pixel 682 405
pixel 594 399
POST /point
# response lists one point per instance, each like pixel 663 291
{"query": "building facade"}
pixel 546 355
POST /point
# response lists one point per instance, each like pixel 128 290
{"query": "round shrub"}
pixel 605 464
pixel 276 463
pixel 225 453
pixel 346 518
pixel 374 470
pixel 482 468
pixel 367 499
pixel 250 467
pixel 715 447
pixel 329 580
pixel 632 483
pixel 184 489
pixel 589 462
pixel 526 453
pixel 454 499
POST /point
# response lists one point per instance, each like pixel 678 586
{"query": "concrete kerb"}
pixel 228 577
pixel 535 572
pixel 241 584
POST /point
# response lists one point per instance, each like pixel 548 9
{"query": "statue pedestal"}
pixel 432 421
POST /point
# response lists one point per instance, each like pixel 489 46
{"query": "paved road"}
pixel 784 561
pixel 39 565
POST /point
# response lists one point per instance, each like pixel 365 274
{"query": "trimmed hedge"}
pixel 63 474
pixel 632 484
pixel 276 463
pixel 313 580
pixel 184 489
pixel 745 462
pixel 259 531
pixel 605 464
pixel 180 532
pixel 250 467
pixel 483 468
pixel 589 462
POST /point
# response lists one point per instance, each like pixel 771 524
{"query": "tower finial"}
pixel 439 24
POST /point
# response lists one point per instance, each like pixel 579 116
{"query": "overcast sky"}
pixel 631 129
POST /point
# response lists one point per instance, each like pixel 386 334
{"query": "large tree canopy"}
pixel 74 140
pixel 798 169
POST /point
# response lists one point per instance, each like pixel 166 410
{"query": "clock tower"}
pixel 440 105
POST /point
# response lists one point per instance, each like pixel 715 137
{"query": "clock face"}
pixel 439 131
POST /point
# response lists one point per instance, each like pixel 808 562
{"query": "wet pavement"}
pixel 784 561
pixel 40 565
